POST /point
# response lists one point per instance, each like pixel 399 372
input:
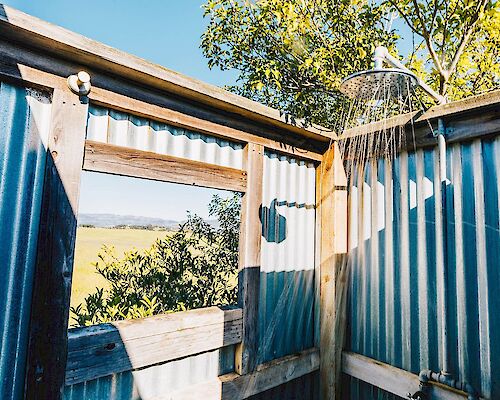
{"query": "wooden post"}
pixel 331 199
pixel 249 259
pixel 52 285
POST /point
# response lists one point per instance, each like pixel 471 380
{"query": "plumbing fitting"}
pixel 80 83
pixel 381 54
pixel 427 376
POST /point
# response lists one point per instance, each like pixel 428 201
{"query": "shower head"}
pixel 379 83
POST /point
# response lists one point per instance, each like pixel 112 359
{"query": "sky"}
pixel 166 32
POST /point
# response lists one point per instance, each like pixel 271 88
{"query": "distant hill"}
pixel 113 220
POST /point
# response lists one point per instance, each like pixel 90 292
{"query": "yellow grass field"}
pixel 88 243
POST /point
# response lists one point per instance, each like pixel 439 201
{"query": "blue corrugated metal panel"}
pixel 303 388
pixel 114 127
pixel 396 258
pixel 24 124
pixel 158 381
pixel 287 257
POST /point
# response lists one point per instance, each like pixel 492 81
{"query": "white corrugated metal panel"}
pixel 287 256
pixel 24 129
pixel 121 129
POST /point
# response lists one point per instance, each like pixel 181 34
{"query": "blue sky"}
pixel 166 32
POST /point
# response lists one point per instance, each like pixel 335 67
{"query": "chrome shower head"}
pixel 378 84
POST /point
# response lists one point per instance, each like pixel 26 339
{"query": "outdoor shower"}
pixel 375 88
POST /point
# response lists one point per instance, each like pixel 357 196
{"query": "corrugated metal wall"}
pixel 287 257
pixel 396 260
pixel 24 129
pixel 158 381
pixel 114 127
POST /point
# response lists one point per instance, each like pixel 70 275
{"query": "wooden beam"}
pixel 106 349
pixel 331 211
pixel 56 242
pixel 266 376
pixel 130 105
pixel 249 259
pixel 111 159
pixel 55 40
pixel 391 379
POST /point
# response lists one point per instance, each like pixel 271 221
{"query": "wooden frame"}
pixel 391 379
pixel 106 349
pixel 111 159
pixel 331 206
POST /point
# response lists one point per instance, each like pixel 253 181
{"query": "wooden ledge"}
pixel 105 349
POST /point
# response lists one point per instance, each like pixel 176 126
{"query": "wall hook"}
pixel 80 83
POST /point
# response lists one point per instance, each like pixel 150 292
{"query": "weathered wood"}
pixel 104 349
pixel 249 259
pixel 391 379
pixel 126 95
pixel 331 209
pixel 265 377
pixel 52 281
pixel 52 39
pixel 111 159
pixel 128 104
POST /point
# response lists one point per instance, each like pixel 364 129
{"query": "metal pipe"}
pixel 381 54
pixel 444 240
pixel 427 376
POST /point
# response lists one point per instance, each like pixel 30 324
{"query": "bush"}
pixel 193 267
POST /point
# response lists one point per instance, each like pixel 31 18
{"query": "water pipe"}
pixel 427 376
pixel 382 55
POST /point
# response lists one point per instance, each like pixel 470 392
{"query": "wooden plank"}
pixel 391 379
pixel 26 65
pixel 52 39
pixel 52 281
pixel 249 259
pixel 111 159
pixel 238 387
pixel 128 104
pixel 104 349
pixel 331 206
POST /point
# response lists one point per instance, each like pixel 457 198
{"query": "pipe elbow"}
pixel 425 375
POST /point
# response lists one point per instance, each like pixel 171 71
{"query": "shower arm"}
pixel 381 54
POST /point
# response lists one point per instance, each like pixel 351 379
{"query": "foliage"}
pixel 194 267
pixel 293 54
pixel 460 40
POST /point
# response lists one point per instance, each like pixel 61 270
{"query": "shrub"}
pixel 193 267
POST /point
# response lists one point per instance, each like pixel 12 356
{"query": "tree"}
pixel 460 39
pixel 293 54
pixel 193 267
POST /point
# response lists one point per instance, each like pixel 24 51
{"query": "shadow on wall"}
pixel 24 125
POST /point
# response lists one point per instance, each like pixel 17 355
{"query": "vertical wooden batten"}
pixel 331 213
pixel 52 288
pixel 249 259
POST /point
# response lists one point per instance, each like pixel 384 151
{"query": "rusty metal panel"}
pixel 24 129
pixel 397 261
pixel 115 127
pixel 287 257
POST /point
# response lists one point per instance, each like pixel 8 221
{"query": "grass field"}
pixel 88 243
